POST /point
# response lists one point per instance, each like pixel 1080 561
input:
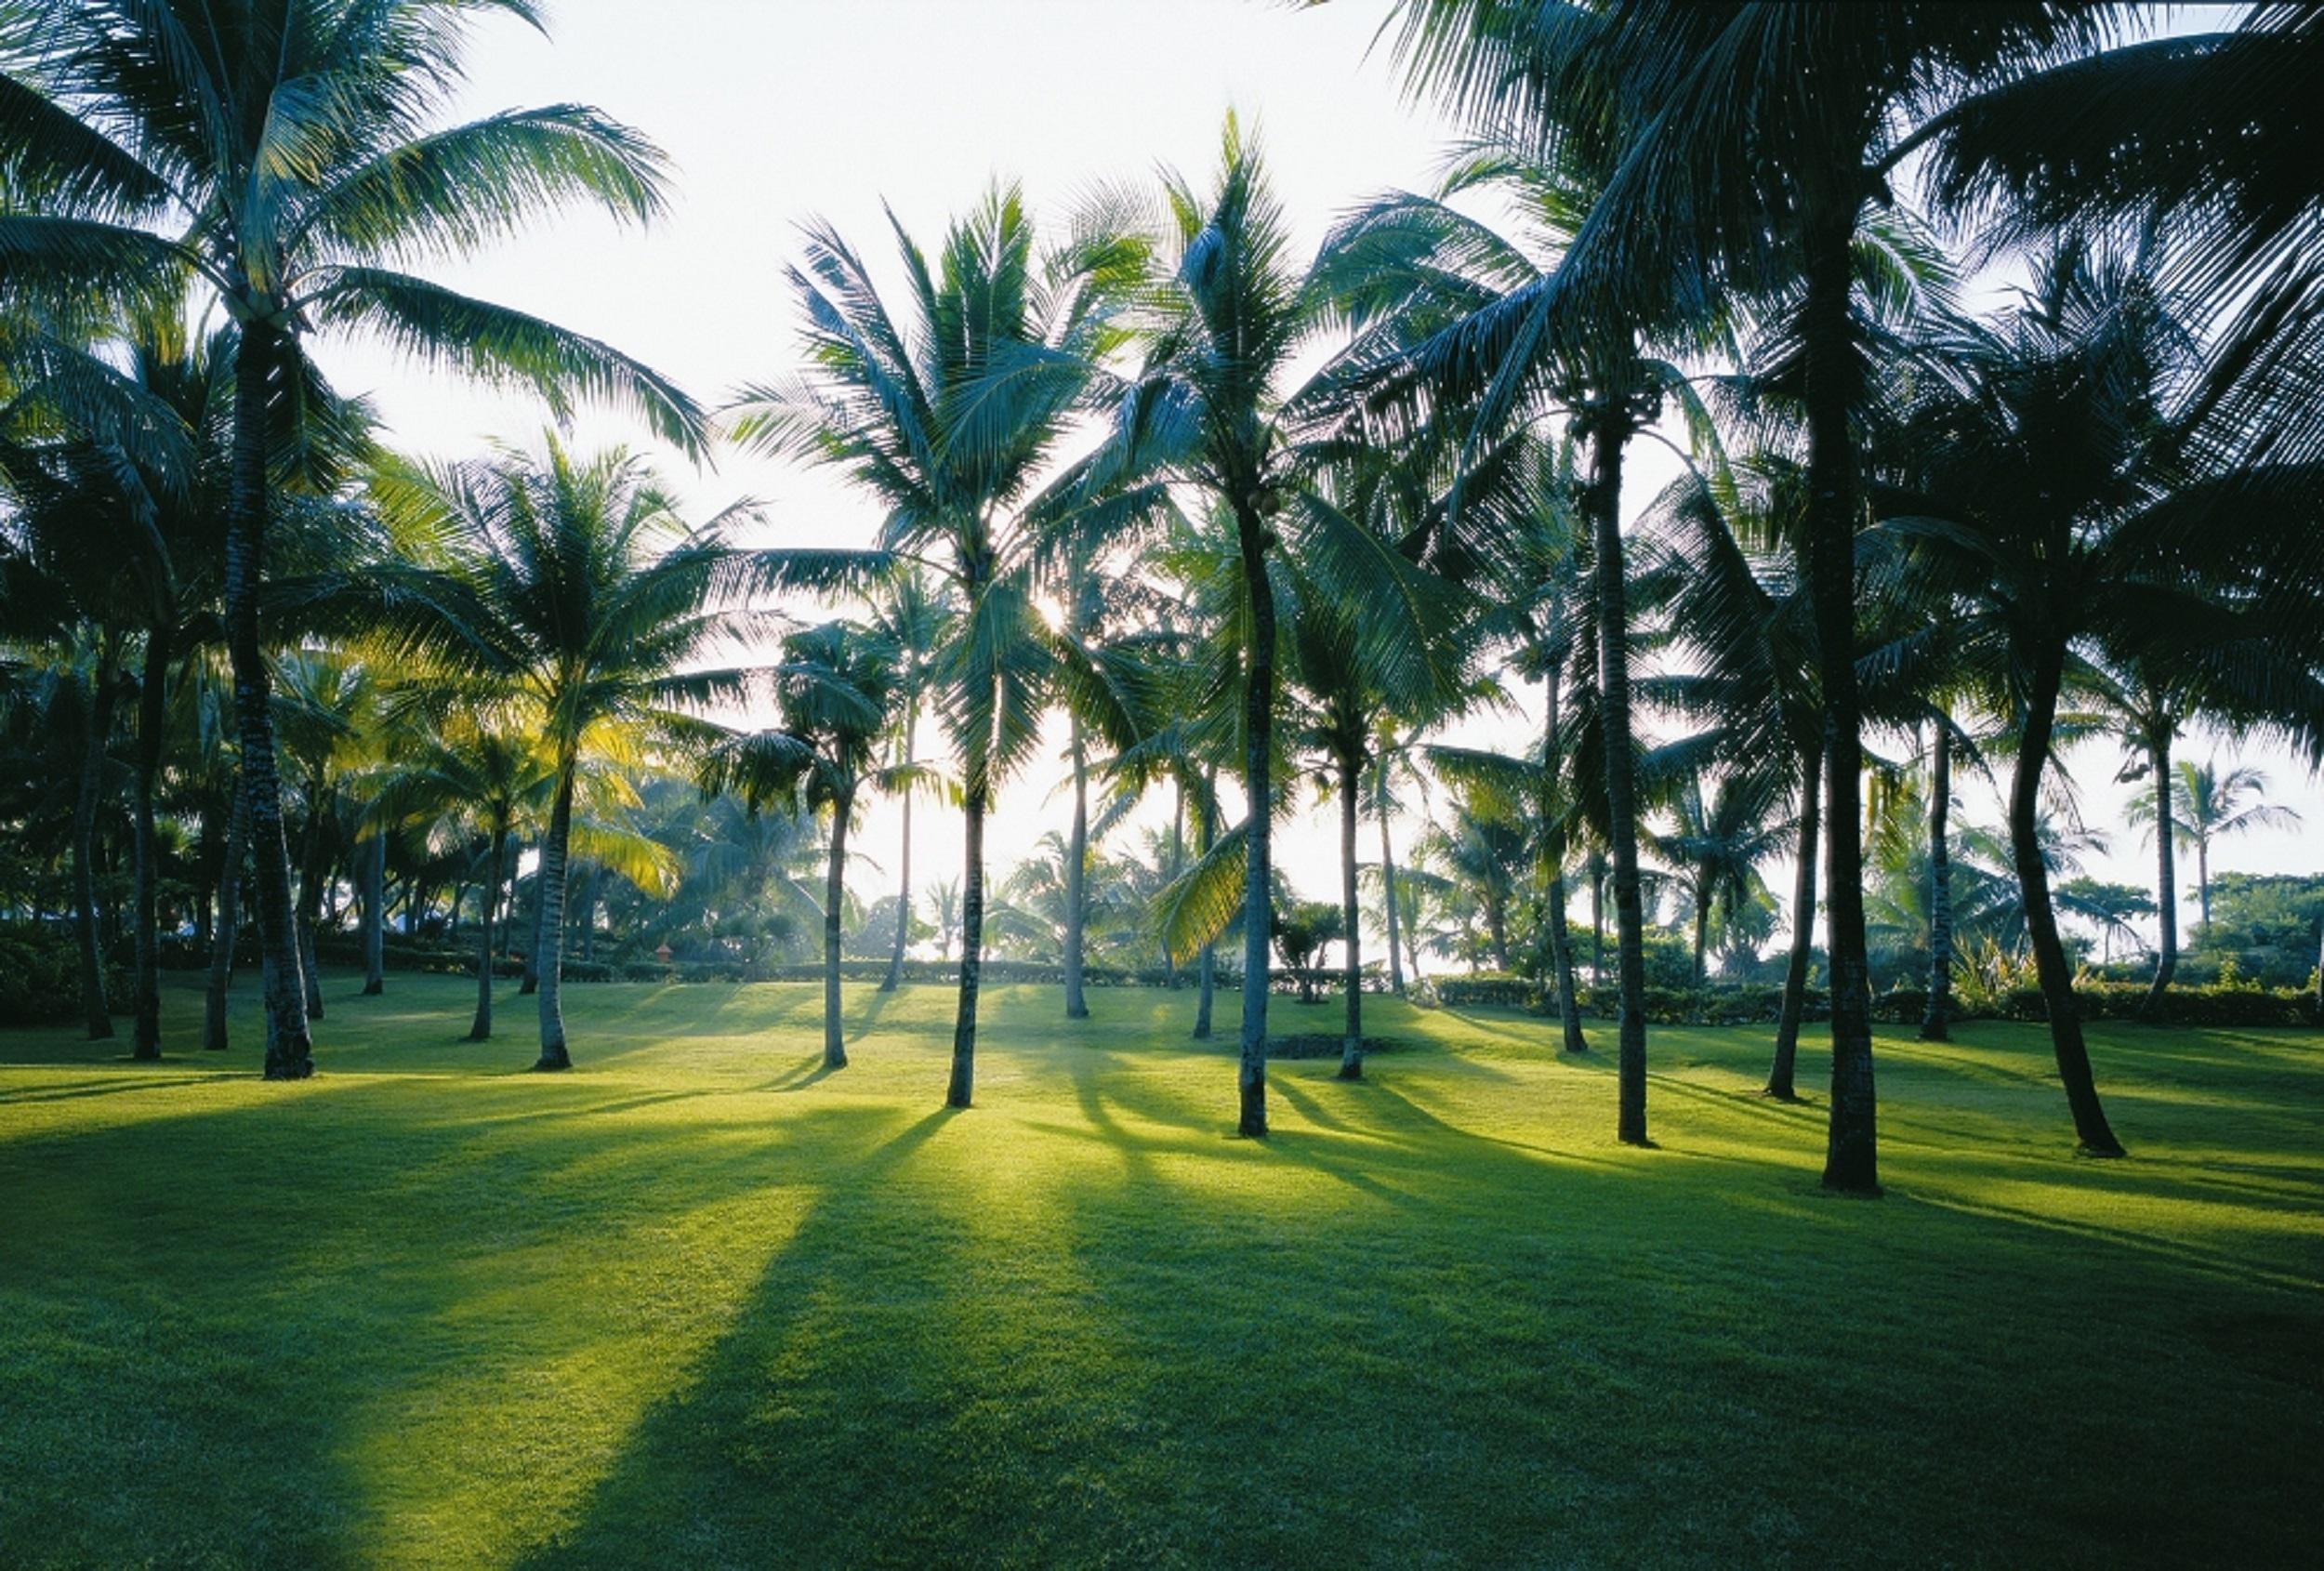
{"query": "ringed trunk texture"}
pixel 1076 881
pixel 1207 968
pixel 1388 883
pixel 1834 377
pixel 1781 1084
pixel 531 982
pixel 1553 852
pixel 2166 881
pixel 2041 926
pixel 1259 707
pixel 94 1005
pixel 962 1092
pixel 904 888
pixel 1604 504
pixel 480 1029
pixel 228 926
pixel 550 908
pixel 313 871
pixel 374 916
pixel 834 898
pixel 290 1051
pixel 1351 809
pixel 151 711
pixel 1937 1022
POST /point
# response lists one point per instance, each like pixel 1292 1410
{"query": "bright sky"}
pixel 776 110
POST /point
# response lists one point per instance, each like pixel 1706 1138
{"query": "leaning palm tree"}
pixel 2216 804
pixel 570 586
pixel 288 156
pixel 837 688
pixel 950 419
pixel 2045 504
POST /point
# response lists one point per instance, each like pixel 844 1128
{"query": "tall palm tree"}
pixel 2045 504
pixel 1750 145
pixel 287 155
pixel 2216 804
pixel 570 586
pixel 1447 332
pixel 910 616
pixel 951 419
pixel 1210 410
pixel 1343 678
pixel 838 688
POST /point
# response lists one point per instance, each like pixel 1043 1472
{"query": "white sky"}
pixel 776 110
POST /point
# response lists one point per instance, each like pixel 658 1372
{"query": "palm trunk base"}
pixel 553 1059
pixel 1352 1061
pixel 1253 1125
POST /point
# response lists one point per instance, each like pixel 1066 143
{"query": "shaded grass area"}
pixel 701 1302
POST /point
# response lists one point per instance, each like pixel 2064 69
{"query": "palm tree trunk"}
pixel 1077 880
pixel 904 885
pixel 531 982
pixel 2041 926
pixel 2166 879
pixel 312 874
pixel 1554 854
pixel 1936 1020
pixel 1259 713
pixel 834 899
pixel 1834 375
pixel 1388 879
pixel 480 1029
pixel 258 362
pixel 1780 1082
pixel 84 802
pixel 1597 919
pixel 151 711
pixel 374 916
pixel 1702 933
pixel 226 927
pixel 1207 968
pixel 1351 816
pixel 549 926
pixel 961 1092
pixel 1609 430
pixel 2202 885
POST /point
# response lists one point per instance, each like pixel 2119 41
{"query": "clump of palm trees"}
pixel 1257 532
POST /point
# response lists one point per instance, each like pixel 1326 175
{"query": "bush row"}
pixel 2229 1005
pixel 40 977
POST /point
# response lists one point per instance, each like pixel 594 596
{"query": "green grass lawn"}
pixel 698 1304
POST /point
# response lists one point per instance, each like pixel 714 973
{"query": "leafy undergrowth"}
pixel 700 1302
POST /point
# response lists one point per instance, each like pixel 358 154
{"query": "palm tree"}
pixel 912 618
pixel 570 586
pixel 1345 676
pixel 2046 504
pixel 1449 320
pixel 1209 410
pixel 459 778
pixel 2218 805
pixel 838 689
pixel 2145 706
pixel 951 421
pixel 1719 840
pixel 1749 144
pixel 287 154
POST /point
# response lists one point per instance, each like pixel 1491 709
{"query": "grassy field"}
pixel 700 1303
